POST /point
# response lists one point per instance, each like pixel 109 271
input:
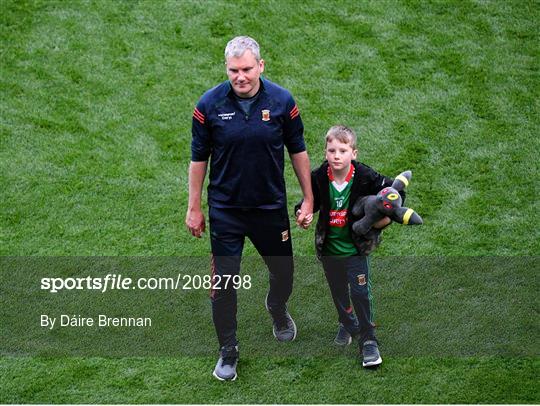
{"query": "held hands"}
pixel 195 222
pixel 304 216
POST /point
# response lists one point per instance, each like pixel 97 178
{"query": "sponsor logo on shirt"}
pixel 265 115
pixel 338 218
pixel 227 116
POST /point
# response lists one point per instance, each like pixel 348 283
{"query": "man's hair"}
pixel 238 45
pixel 343 134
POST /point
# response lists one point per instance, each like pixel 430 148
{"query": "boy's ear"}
pixel 354 153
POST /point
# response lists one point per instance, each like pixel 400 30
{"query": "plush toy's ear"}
pixel 402 180
pixel 407 216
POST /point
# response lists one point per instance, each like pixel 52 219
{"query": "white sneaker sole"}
pixel 378 361
pixel 223 379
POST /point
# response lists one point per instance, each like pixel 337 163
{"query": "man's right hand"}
pixel 195 222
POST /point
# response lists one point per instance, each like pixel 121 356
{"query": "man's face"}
pixel 244 73
pixel 339 155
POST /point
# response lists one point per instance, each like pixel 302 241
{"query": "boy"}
pixel 336 185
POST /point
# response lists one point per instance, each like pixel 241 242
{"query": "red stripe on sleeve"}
pixel 294 112
pixel 198 116
pixel 198 112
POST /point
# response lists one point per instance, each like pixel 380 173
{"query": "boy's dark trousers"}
pixel 269 231
pixel 348 278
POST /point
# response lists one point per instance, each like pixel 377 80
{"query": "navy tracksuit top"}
pixel 246 150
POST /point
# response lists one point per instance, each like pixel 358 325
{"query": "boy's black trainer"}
pixel 343 337
pixel 370 354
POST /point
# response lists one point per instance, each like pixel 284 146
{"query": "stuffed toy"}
pixel 387 202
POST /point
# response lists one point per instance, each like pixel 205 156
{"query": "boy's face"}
pixel 339 154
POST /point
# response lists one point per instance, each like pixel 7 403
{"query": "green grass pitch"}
pixel 95 115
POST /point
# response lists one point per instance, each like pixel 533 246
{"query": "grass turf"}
pixel 269 380
pixel 95 127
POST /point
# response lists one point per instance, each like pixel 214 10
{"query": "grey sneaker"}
pixel 284 327
pixel 225 369
pixel 370 354
pixel 343 337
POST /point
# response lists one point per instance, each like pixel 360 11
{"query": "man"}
pixel 243 125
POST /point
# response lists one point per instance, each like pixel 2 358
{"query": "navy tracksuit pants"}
pixel 348 278
pixel 269 231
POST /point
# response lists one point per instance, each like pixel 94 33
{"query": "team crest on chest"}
pixel 265 115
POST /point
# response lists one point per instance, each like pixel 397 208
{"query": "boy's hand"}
pixel 306 222
pixel 382 223
pixel 304 216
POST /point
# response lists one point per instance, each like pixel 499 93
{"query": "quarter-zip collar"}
pixel 257 100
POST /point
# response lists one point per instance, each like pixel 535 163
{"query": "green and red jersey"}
pixel 338 240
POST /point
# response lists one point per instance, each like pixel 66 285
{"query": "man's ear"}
pixel 261 65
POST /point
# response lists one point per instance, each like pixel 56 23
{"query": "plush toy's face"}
pixel 388 200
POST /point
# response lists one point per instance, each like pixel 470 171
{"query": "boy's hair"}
pixel 238 45
pixel 343 134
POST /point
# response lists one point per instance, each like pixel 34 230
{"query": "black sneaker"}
pixel 343 337
pixel 284 327
pixel 370 354
pixel 225 369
